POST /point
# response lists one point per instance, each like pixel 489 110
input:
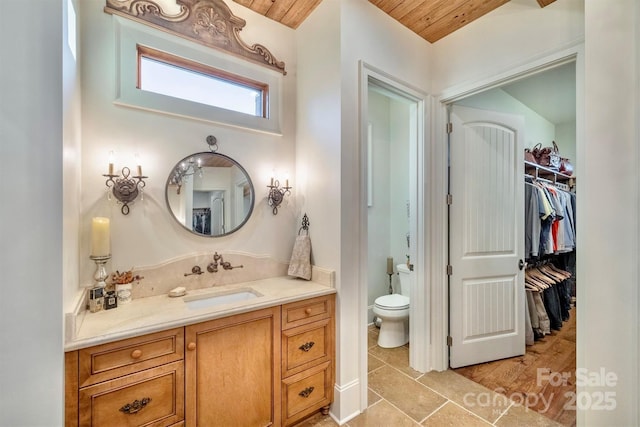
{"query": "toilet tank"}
pixel 405 280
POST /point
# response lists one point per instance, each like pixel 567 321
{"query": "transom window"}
pixel 166 74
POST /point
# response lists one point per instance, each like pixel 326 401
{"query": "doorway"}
pixel 393 158
pixel 547 101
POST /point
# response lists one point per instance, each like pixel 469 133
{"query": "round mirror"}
pixel 209 194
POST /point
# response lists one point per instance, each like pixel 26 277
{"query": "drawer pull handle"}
pixel 191 346
pixel 308 311
pixel 137 405
pixel 136 354
pixel 306 346
pixel 306 392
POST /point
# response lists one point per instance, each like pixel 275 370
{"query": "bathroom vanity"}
pixel 248 345
pixel 268 360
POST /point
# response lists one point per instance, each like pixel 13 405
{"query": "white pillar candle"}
pixel 100 237
pixel 139 164
pixel 111 157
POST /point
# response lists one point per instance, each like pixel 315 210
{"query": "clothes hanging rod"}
pixel 526 175
pixel 560 185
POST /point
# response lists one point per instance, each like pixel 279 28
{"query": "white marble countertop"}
pixel 152 314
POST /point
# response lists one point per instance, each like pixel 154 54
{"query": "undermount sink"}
pixel 208 300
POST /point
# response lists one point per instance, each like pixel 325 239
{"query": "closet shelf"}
pixel 544 172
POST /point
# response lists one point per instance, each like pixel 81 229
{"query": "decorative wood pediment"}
pixel 209 22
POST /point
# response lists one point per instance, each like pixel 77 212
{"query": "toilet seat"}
pixel 392 302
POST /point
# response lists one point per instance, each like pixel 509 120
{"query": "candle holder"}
pixel 100 275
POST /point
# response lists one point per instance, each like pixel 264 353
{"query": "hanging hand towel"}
pixel 300 265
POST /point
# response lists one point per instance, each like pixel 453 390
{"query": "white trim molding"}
pixel 419 332
pixel 346 402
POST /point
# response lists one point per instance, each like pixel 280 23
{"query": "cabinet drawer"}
pixel 154 397
pixel 305 346
pixel 108 361
pixel 306 392
pixel 307 311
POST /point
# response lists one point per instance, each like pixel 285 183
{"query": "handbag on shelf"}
pixel 565 166
pixel 548 157
pixel 528 156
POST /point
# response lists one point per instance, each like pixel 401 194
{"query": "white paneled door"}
pixel 486 288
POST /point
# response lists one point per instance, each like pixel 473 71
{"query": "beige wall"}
pixel 608 238
pixel 71 158
pixel 516 33
pixel 31 241
pixel 149 235
pixel 331 42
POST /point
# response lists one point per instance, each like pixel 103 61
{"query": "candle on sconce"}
pixel 389 265
pixel 286 179
pixel 111 156
pixel 271 181
pixel 139 165
pixel 100 237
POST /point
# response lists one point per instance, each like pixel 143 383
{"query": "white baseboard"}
pixel 346 402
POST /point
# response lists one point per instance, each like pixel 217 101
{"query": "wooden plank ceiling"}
pixel 430 19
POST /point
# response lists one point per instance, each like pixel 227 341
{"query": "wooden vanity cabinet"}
pixel 268 367
pixel 308 353
pixel 233 370
pixel 132 382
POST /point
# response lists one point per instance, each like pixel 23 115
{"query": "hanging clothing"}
pixel 549 220
pixel 550 242
pixel 533 226
pixel 543 318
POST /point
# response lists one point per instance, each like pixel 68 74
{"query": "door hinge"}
pixel 449 127
pixel 449 199
pixel 449 341
pixel 449 270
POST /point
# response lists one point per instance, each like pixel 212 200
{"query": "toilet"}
pixel 393 311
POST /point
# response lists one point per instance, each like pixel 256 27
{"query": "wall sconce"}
pixel 277 193
pixel 124 187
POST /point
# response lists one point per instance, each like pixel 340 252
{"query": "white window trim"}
pixel 130 34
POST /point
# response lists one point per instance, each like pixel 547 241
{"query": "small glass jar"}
pixel 123 292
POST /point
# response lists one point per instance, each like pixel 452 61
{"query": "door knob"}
pixel 521 264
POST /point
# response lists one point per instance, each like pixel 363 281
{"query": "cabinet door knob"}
pixel 136 354
pixel 308 311
pixel 191 346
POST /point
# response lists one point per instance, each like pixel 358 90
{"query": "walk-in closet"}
pixel 543 378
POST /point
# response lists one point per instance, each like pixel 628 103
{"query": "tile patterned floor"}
pixel 400 396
